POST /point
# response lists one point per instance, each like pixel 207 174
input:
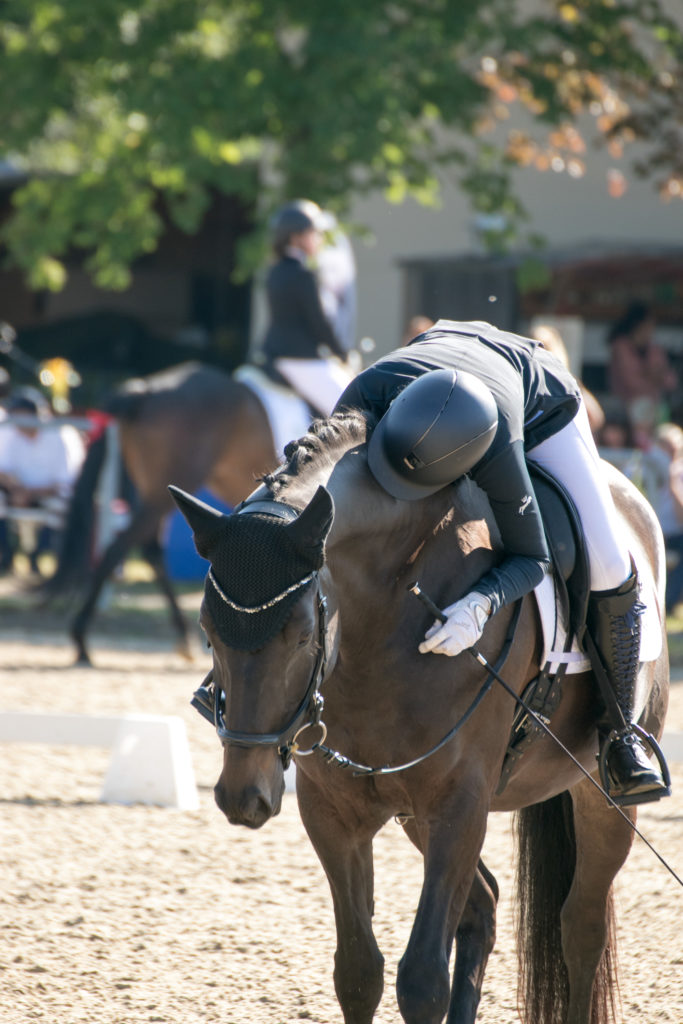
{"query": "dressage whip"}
pixel 415 589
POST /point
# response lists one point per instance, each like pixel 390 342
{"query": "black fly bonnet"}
pixel 262 559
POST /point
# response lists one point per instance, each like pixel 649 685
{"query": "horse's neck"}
pixel 375 536
pixel 370 519
pixel 371 563
pixel 359 504
pixel 378 546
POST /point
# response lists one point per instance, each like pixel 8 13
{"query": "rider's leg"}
pixel 319 381
pixel 614 616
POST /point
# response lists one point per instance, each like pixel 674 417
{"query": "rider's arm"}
pixel 506 481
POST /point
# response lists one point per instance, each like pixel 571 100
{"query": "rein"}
pixel 210 699
pixel 340 760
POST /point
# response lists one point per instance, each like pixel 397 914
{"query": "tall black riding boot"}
pixel 614 624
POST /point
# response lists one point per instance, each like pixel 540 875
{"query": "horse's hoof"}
pixel 82 657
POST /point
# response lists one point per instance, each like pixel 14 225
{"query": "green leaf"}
pixel 118 109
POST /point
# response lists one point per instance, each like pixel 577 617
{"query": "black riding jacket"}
pixel 536 397
pixel 298 325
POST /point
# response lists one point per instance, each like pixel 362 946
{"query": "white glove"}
pixel 463 627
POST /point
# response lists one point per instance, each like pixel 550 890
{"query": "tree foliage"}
pixel 123 112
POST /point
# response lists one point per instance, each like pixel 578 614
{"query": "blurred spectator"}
pixel 551 339
pixel 668 503
pixel 616 431
pixel 38 467
pixel 644 415
pixel 415 326
pixel 639 368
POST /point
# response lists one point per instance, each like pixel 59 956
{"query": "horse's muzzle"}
pixel 253 810
pixel 253 803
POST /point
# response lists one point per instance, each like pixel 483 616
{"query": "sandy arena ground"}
pixel 126 915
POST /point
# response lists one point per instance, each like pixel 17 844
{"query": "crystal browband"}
pixel 251 609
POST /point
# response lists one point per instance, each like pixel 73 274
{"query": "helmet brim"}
pixel 389 479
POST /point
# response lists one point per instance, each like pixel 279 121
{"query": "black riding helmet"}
pixel 433 432
pixel 294 218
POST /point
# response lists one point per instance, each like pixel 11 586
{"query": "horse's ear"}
pixel 311 527
pixel 203 520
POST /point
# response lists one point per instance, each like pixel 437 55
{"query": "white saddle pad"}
pixel 555 630
pixel 288 415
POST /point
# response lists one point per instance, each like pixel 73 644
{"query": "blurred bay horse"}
pixel 307 600
pixel 191 423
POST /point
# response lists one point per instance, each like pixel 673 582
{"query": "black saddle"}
pixel 566 542
pixel 565 538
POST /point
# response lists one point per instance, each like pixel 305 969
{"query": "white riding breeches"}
pixel 319 381
pixel 572 458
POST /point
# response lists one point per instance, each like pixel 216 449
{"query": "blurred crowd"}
pixel 637 423
pixel 40 458
pixel 309 345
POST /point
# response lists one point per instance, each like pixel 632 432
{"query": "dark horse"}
pixel 191 423
pixel 333 612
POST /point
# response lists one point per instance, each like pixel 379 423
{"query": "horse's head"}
pixel 269 628
pixel 283 576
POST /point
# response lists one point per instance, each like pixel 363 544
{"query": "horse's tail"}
pixel 546 850
pixel 74 559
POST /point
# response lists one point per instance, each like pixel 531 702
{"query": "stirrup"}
pixel 626 799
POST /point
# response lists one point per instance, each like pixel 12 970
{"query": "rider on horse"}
pixel 467 398
pixel 300 342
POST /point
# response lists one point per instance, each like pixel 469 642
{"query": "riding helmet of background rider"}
pixel 295 218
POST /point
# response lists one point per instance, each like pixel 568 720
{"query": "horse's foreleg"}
pixel 451 845
pixel 153 552
pixel 603 841
pixel 358 962
pixel 475 936
pixel 144 522
pixel 346 857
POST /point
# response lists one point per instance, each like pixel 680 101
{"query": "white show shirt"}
pixel 52 458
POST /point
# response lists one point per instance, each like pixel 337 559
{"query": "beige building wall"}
pixel 566 211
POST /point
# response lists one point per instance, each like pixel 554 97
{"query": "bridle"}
pixel 307 715
pixel 309 711
pixel 209 699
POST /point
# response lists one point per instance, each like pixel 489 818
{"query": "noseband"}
pixel 307 714
pixel 210 700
